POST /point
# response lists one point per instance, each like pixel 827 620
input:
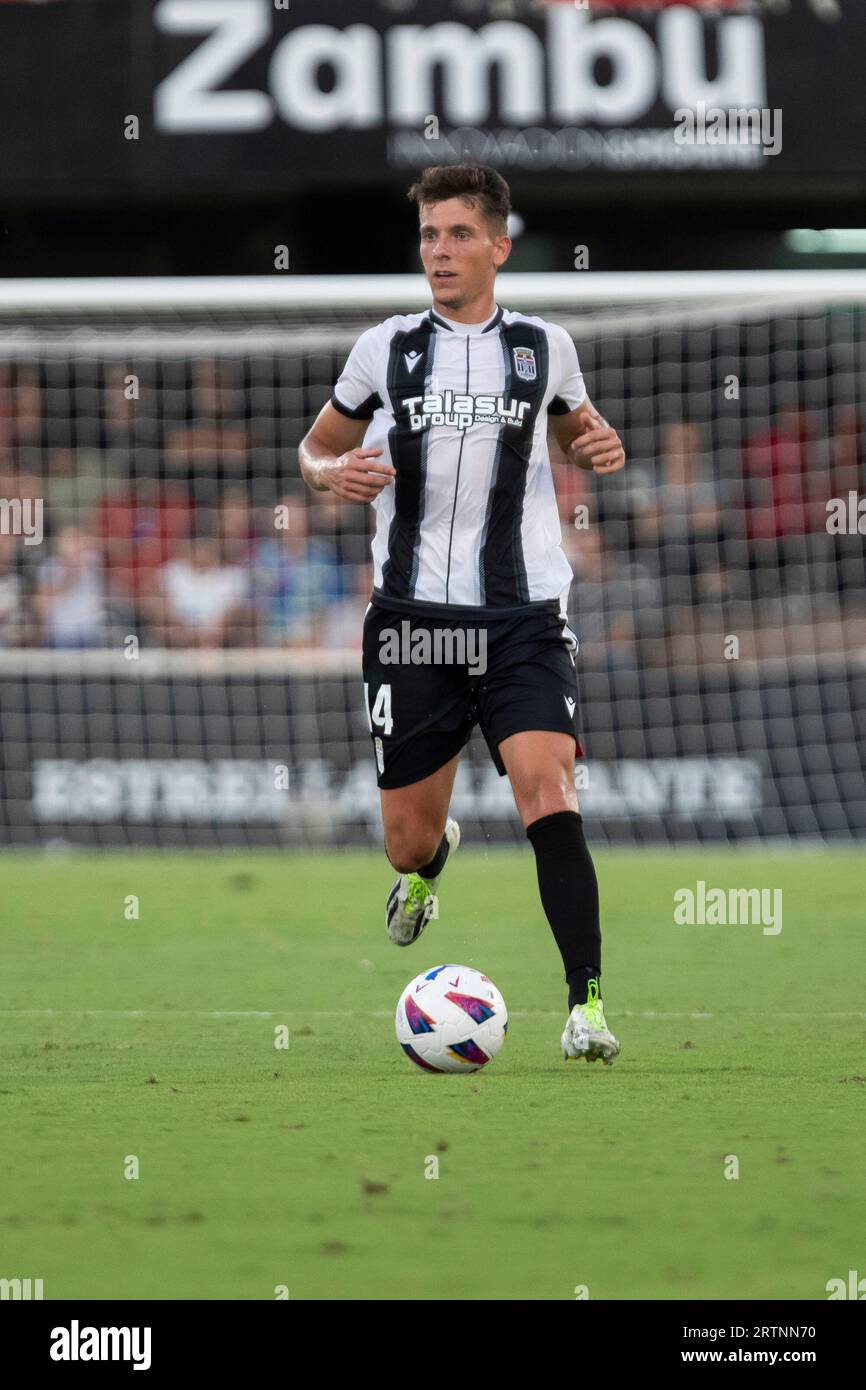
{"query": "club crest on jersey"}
pixel 524 363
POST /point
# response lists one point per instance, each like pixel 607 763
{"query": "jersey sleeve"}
pixel 570 391
pixel 355 393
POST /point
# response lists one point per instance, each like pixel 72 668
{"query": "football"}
pixel 451 1018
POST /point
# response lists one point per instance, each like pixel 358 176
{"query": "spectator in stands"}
pixel 76 481
pixel 69 601
pixel 13 604
pixel 685 501
pixel 297 578
pixel 236 528
pixel 790 470
pixel 16 481
pixel 843 570
pixel 570 484
pixel 215 434
pixel 199 601
pixel 131 415
pixel 346 529
pixel 21 414
pixel 343 621
pixel 847 472
pixel 785 467
pixel 23 558
pixel 686 522
pixel 139 527
pixel 612 603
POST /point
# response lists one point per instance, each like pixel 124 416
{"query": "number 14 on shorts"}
pixel 380 712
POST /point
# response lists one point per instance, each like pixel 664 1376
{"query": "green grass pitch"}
pixel 305 1167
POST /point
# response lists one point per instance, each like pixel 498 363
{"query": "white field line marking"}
pixel 197 1013
pixel 376 1013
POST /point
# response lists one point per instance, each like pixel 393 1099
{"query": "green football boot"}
pixel 412 901
pixel 586 1032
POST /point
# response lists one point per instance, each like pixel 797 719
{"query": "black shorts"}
pixel 517 674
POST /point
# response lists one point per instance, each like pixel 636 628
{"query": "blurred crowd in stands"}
pixel 195 531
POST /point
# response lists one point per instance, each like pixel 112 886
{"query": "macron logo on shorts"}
pixel 569 705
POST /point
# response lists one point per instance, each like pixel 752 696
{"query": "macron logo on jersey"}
pixel 411 359
pixel 450 408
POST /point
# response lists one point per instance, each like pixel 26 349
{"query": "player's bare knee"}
pixel 409 852
pixel 407 862
pixel 547 798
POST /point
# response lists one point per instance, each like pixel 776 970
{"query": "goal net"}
pixel 180 620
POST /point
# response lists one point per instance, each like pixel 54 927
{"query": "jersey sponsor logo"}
pixel 524 363
pixel 461 412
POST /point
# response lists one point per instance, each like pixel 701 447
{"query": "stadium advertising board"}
pixel 252 94
pixel 131 759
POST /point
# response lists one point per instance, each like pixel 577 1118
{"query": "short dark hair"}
pixel 477 182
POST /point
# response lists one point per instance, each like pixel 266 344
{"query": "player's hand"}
pixel 357 477
pixel 598 448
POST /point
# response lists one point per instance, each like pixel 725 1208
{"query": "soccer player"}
pixel 453 406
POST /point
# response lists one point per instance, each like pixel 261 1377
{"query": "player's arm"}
pixel 330 459
pixel 586 439
pixel 582 434
pixel 329 455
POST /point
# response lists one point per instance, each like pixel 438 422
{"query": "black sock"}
pixel 578 984
pixel 437 863
pixel 569 896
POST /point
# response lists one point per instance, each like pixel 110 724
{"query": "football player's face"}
pixel 459 253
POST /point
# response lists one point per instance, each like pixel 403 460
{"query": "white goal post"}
pixel 297 293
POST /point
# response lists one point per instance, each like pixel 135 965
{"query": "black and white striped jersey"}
pixel 470 523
